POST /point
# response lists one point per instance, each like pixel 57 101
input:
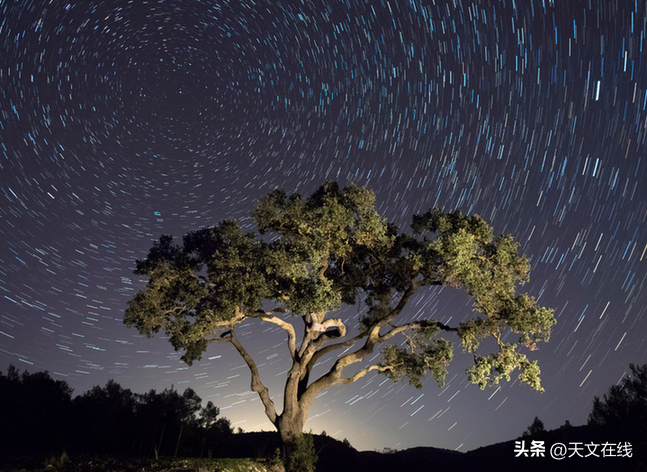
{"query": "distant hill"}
pixel 501 457
pixel 337 456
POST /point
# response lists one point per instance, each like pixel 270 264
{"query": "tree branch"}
pixel 269 317
pixel 231 323
pixel 363 372
pixel 416 325
pixel 333 376
pixel 202 278
pixel 310 355
pixel 257 386
pixel 312 328
pixel 316 333
pixel 332 347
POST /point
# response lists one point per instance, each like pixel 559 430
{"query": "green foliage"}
pixel 195 287
pixel 311 255
pixel 220 273
pixel 275 461
pixel 463 253
pixel 499 365
pixel 423 354
pixel 300 454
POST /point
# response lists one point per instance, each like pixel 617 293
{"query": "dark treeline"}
pixel 40 414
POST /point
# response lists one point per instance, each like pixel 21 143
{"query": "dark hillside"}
pixel 337 456
pixel 501 457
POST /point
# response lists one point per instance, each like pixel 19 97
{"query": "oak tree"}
pixel 311 256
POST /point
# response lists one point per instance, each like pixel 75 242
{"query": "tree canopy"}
pixel 310 256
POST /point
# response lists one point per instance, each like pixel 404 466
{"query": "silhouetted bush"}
pixel 535 428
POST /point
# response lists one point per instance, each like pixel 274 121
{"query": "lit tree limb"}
pixel 362 373
pixel 256 385
pixel 416 325
pixel 334 374
pixel 270 318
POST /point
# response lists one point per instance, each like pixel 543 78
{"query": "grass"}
pixel 64 463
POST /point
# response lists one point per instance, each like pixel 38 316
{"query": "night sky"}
pixel 124 120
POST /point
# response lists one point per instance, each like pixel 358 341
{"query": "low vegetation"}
pixel 82 463
pixel 619 416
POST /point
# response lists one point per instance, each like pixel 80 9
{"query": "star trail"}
pixel 121 121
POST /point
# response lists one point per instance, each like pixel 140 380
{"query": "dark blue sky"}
pixel 121 121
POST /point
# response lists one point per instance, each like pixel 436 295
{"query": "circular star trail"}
pixel 121 121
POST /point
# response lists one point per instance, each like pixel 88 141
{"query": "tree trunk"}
pixel 177 446
pixel 298 449
pixel 290 425
pixel 159 446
